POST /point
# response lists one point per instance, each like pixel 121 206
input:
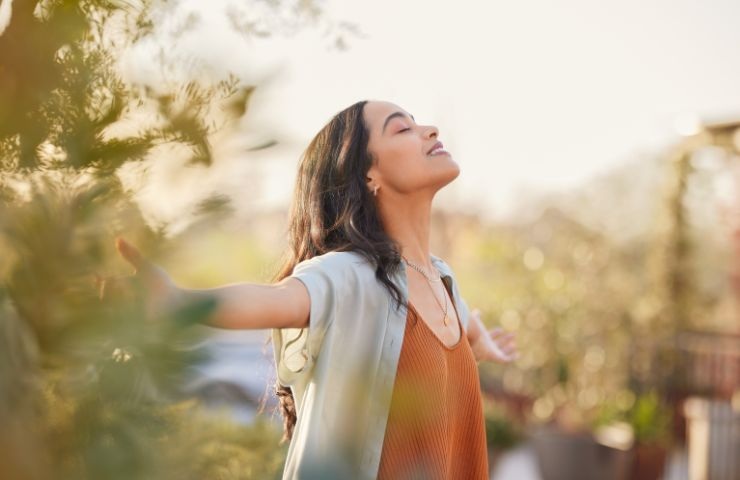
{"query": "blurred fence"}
pixel 690 363
pixel 709 364
pixel 699 372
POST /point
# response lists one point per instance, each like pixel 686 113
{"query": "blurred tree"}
pixel 89 389
pixel 566 290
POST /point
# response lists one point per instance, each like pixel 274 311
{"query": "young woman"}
pixel 375 349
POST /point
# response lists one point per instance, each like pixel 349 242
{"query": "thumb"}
pixel 130 253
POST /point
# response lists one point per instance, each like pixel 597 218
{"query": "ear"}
pixel 372 177
pixel 370 180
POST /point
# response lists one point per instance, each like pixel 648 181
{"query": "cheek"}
pixel 402 160
pixel 404 156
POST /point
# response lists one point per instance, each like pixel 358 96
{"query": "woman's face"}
pixel 403 151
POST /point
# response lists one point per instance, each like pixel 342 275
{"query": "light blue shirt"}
pixel 342 366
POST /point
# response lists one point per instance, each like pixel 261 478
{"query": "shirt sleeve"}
pixel 297 349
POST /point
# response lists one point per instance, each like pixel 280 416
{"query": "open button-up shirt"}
pixel 342 366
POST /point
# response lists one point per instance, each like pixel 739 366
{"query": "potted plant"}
pixel 567 447
pixel 643 427
pixel 651 423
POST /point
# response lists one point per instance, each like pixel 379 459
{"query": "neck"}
pixel 408 224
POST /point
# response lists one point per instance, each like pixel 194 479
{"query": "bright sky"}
pixel 5 8
pixel 527 95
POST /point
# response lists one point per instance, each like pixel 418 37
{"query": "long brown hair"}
pixel 333 210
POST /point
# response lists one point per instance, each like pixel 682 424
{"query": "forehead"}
pixel 376 112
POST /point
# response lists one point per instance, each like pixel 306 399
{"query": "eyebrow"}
pixel 394 115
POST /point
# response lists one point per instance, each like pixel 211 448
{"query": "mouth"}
pixel 438 149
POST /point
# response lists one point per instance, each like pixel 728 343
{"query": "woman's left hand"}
pixel 495 344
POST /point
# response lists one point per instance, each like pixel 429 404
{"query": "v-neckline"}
pixel 457 316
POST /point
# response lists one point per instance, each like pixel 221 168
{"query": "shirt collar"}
pixel 441 265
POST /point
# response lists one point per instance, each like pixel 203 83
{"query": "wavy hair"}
pixel 333 210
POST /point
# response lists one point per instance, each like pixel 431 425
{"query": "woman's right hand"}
pixel 148 279
pixel 241 305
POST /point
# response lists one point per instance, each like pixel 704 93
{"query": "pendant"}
pixel 446 320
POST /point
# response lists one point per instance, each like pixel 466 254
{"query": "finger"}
pixel 500 334
pixel 507 345
pixel 498 351
pixel 504 339
pixel 502 358
pixel 109 286
pixel 506 351
pixel 495 332
pixel 500 331
pixel 106 287
pixel 98 283
pixel 511 356
pixel 130 253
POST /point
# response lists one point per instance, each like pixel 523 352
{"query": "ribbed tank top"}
pixel 436 428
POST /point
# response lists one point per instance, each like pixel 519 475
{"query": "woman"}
pixel 375 349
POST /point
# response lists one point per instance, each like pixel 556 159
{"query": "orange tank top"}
pixel 436 428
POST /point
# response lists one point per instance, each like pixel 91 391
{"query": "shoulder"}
pixel 341 282
pixel 342 265
pixel 337 259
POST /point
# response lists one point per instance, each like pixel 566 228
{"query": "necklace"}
pixel 429 282
pixel 421 270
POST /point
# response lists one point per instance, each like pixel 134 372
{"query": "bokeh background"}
pixel 597 214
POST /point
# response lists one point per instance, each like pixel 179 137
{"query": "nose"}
pixel 432 132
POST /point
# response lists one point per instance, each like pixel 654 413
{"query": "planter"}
pixel 578 456
pixel 649 462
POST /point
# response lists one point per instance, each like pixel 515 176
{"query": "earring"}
pixel 375 191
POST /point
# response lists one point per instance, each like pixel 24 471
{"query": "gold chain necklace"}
pixel 429 282
pixel 421 270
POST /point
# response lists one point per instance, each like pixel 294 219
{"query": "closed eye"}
pixel 404 129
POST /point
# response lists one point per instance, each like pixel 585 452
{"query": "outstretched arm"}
pixel 253 306
pixel 495 344
pixel 238 305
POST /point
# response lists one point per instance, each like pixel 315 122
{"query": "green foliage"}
pixel 96 439
pixel 566 291
pixel 91 388
pixel 225 449
pixel 63 99
pixel 582 305
pixel 502 431
pixel 650 419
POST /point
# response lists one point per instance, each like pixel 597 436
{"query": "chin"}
pixel 454 170
pixel 449 175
